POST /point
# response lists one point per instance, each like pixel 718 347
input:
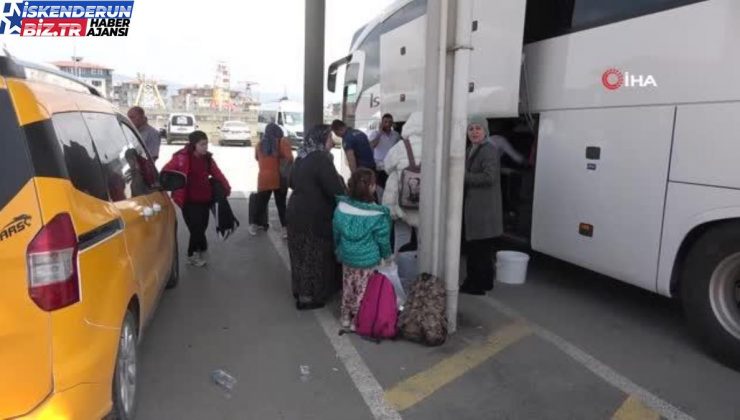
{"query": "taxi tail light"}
pixel 53 281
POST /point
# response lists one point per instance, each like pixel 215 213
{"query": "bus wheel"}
pixel 710 291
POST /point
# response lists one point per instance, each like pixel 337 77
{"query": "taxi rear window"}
pixel 16 168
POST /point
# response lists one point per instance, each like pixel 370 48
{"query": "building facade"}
pixel 100 77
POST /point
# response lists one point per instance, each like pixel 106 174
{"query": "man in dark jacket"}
pixel 356 146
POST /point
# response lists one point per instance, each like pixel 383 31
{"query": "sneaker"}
pixel 285 233
pixel 252 229
pixel 191 260
pixel 199 261
pixel 345 324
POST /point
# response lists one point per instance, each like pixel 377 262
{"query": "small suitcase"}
pixel 257 216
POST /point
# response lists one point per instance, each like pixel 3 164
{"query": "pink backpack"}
pixel 378 314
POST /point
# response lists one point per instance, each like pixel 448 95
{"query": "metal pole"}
pixel 458 125
pixel 313 83
pixel 431 232
pixel 448 38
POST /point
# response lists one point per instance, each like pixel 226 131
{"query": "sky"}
pixel 179 42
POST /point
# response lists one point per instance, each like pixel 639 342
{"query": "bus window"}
pixel 371 44
pixel 550 18
pixel 350 92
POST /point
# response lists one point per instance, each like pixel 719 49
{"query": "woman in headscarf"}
pixel 482 210
pixel 272 149
pixel 316 184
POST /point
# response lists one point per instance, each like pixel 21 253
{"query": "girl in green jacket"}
pixel 361 238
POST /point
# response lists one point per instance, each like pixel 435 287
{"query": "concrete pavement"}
pixel 570 344
pixel 237 315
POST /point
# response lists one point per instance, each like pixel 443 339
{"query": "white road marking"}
pixel 364 380
pixel 665 409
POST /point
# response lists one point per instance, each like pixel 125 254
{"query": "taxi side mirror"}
pixel 172 181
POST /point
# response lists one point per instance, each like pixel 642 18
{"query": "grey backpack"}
pixel 409 191
pixel 424 318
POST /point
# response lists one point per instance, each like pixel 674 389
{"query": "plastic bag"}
pixel 408 265
pixel 390 270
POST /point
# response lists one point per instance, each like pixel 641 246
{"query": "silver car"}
pixel 235 132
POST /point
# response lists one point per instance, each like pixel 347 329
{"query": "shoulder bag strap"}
pixel 409 153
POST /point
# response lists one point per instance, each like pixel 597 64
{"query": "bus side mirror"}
pixel 331 80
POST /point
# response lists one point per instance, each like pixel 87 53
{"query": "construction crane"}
pixel 248 93
pixel 148 93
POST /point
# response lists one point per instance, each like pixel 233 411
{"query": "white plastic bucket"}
pixel 511 267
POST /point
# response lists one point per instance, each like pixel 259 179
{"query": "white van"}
pixel 287 114
pixel 179 127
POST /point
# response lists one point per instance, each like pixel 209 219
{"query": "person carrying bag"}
pixel 275 157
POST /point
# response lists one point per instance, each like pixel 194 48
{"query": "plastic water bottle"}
pixel 305 373
pixel 224 380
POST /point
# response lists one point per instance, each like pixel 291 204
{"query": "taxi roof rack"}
pixel 12 67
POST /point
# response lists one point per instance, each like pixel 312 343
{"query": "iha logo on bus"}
pixel 614 79
pixel 63 18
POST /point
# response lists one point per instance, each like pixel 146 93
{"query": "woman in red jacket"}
pixel 197 164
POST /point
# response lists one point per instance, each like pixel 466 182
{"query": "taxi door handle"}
pixel 147 212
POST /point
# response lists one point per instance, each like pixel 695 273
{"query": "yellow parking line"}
pixel 634 409
pixel 418 387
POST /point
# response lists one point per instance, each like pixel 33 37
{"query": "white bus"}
pixel 287 114
pixel 628 115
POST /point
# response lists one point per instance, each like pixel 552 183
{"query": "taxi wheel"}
pixel 124 377
pixel 174 278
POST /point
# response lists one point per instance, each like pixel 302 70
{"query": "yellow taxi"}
pixel 87 244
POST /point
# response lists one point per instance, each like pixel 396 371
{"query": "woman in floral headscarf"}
pixel 315 184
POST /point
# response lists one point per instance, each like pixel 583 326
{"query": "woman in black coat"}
pixel 482 208
pixel 315 184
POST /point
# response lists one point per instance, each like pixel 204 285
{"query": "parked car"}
pixel 88 243
pixel 235 132
pixel 179 127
